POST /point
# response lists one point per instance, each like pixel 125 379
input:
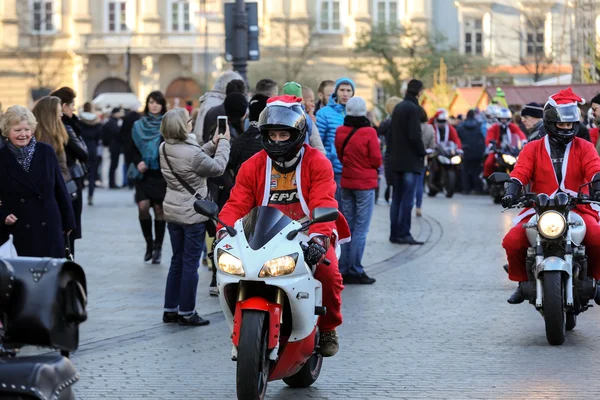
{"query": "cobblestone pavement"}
pixel 436 325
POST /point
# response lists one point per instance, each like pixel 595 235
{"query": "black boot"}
pixel 146 225
pixel 505 266
pixel 159 229
pixel 597 297
pixel 517 297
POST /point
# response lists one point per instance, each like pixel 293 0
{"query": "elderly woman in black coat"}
pixel 36 207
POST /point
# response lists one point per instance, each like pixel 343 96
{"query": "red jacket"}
pixel 451 135
pixel 494 133
pixel 316 188
pixel 594 136
pixel 581 163
pixel 360 159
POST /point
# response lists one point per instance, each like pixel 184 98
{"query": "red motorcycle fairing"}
pixel 260 304
pixel 292 357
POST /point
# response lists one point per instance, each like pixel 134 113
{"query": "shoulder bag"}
pixel 347 140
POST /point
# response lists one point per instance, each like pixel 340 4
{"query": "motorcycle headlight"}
pixel 552 224
pixel 230 264
pixel 456 160
pixel 279 266
pixel 510 160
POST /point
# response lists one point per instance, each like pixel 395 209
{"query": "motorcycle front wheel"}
pixel 449 183
pixel 554 310
pixel 252 374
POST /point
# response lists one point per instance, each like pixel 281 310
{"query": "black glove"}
pixel 596 188
pixel 512 189
pixel 317 247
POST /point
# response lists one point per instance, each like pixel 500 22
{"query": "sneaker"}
pixel 364 279
pixel 328 343
pixel 170 317
pixel 351 279
pixel 193 320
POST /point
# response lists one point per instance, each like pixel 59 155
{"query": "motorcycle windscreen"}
pixel 262 224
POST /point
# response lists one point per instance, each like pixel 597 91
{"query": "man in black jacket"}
pixel 473 145
pixel 112 140
pixel 407 152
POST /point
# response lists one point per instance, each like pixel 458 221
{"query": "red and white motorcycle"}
pixel 270 298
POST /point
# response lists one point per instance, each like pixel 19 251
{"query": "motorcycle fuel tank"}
pixel 577 232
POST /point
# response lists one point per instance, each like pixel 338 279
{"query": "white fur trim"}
pixel 523 215
pixel 267 192
pixel 437 134
pixel 299 185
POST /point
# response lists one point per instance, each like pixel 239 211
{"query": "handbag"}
pixel 211 228
pixel 133 174
pixel 347 140
pixel 72 189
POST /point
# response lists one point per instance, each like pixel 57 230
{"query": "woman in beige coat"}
pixel 181 155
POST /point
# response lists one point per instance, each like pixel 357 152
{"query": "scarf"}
pixel 146 136
pixel 24 155
pixel 356 122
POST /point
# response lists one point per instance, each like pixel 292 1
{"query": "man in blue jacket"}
pixel 329 118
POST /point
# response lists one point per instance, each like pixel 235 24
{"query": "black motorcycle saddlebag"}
pixel 42 377
pixel 47 303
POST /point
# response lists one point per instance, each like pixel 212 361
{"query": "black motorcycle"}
pixel 505 157
pixel 442 170
pixel 558 283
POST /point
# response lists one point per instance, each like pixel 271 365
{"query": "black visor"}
pixel 282 118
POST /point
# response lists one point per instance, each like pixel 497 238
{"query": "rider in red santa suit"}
pixel 444 132
pixel 295 178
pixel 504 132
pixel 558 162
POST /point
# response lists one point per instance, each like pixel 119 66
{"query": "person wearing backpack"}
pixel 357 147
pixel 473 145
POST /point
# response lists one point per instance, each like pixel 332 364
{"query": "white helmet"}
pixel 491 111
pixel 504 113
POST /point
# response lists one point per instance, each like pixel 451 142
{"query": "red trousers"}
pixel 515 243
pixel 331 279
pixel 489 166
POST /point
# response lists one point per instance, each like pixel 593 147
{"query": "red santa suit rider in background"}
pixel 503 133
pixel 295 178
pixel 560 161
pixel 444 132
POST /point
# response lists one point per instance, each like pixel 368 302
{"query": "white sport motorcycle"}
pixel 269 297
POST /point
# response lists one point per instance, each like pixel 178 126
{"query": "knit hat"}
pixel 533 109
pixel 235 105
pixel 293 89
pixel 356 107
pixel 257 104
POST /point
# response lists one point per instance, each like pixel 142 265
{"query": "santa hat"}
pixel 284 101
pixel 565 96
pixel 437 114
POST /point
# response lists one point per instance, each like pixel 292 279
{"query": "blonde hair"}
pixel 50 128
pixel 391 103
pixel 15 115
pixel 175 124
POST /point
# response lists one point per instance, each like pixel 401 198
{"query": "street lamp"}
pixel 240 54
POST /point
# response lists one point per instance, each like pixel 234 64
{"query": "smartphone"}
pixel 222 124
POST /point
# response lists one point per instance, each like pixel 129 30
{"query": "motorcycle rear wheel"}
pixel 308 374
pixel 252 374
pixel 571 321
pixel 554 309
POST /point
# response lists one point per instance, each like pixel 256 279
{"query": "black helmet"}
pixel 554 113
pixel 283 115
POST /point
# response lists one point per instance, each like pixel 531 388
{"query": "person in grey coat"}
pixel 183 159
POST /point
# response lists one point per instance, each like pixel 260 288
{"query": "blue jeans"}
pixel 403 198
pixel 338 189
pixel 187 242
pixel 357 208
pixel 420 187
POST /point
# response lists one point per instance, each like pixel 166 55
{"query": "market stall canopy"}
pixel 107 101
pixel 520 95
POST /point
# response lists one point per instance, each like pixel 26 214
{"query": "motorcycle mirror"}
pixel 211 210
pixel 498 177
pixel 206 208
pixel 324 215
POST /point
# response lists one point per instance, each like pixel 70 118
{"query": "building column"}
pixel 149 76
pixel 80 77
